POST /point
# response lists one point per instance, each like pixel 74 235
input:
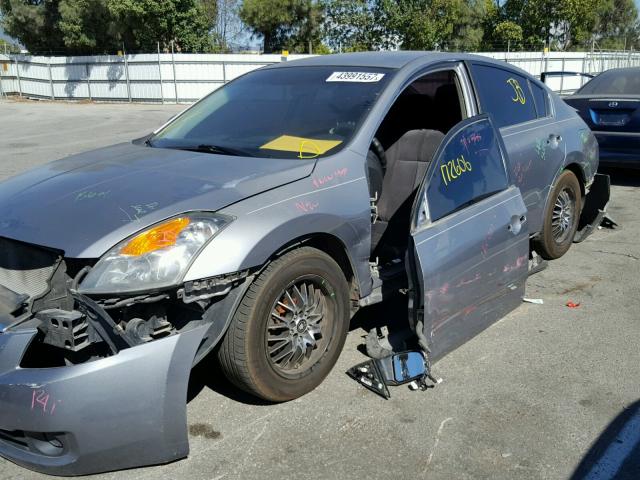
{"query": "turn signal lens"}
pixel 161 236
pixel 156 257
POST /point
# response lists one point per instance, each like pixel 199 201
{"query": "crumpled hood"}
pixel 87 203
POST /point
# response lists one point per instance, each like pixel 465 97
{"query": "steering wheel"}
pixel 377 148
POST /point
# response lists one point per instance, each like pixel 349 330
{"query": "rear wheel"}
pixel 561 217
pixel 290 327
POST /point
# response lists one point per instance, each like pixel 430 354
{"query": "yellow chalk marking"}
pixel 304 147
pixel 518 91
pixel 453 169
pixel 312 144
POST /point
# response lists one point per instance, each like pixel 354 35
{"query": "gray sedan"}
pixel 255 224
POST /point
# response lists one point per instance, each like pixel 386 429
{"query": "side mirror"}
pixel 396 369
pixel 401 368
pixel 142 140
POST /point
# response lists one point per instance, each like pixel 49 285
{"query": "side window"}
pixel 469 168
pixel 504 94
pixel 541 99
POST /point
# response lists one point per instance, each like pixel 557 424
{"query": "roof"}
pixel 386 59
pixel 368 59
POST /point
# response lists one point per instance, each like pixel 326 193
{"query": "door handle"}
pixel 554 138
pixel 515 225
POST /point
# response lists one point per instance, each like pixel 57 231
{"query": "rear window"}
pixel 541 99
pixel 503 94
pixel 614 82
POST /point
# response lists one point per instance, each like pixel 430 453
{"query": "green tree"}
pixel 308 35
pixel 354 25
pixel 493 16
pixel 617 24
pixel 508 34
pixel 281 23
pixel 8 47
pixel 431 24
pixel 99 26
pixel 468 29
pixel 420 24
pixel 87 27
pixel 209 9
pixel 564 23
pixel 33 23
pixel 143 23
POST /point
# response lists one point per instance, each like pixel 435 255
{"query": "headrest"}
pixel 415 146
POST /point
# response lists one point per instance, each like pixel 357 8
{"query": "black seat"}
pixel 407 161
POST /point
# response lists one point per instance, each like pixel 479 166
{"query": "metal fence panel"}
pixel 166 77
pixel 35 88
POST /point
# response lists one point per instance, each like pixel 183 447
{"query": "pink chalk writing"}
pixel 471 139
pixel 42 401
pixel 325 179
pixel 519 263
pixel 485 245
pixel 520 169
pixel 468 310
pixel 469 281
pixel 307 206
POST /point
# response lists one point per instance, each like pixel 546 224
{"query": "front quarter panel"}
pixel 334 200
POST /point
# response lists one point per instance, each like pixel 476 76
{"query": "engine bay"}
pixel 39 289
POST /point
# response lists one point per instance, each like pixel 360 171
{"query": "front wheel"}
pixel 289 328
pixel 561 217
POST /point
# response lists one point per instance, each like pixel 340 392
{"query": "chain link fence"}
pixel 184 78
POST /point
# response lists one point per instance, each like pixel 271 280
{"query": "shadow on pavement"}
pixel 392 312
pixel 207 373
pixel 616 453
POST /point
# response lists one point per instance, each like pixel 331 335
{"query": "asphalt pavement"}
pixel 538 395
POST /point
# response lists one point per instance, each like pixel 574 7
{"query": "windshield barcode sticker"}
pixel 364 77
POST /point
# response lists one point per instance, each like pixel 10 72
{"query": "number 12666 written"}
pixel 453 169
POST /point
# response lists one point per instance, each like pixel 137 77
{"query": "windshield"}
pixel 620 82
pixel 292 112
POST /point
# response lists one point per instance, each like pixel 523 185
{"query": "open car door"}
pixel 469 261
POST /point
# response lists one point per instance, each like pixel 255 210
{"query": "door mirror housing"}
pixel 396 369
pixel 401 368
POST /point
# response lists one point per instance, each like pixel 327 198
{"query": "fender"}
pixel 573 160
pixel 251 240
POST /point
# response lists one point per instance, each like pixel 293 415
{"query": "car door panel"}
pixel 536 152
pixel 532 135
pixel 471 263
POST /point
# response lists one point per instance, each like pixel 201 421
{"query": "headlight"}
pixel 154 258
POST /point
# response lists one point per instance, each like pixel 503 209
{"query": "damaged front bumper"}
pixel 94 384
pixel 117 412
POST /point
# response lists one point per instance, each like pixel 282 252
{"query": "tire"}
pixel 248 355
pixel 556 238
